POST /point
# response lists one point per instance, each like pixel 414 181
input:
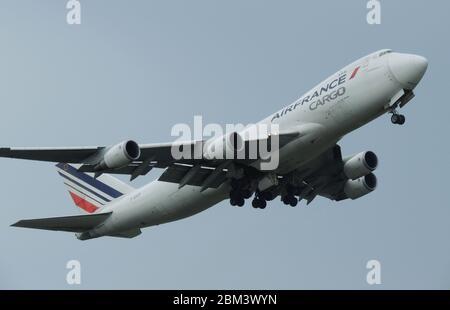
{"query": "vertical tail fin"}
pixel 88 193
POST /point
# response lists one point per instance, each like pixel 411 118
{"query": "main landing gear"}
pixel 242 190
pixel 261 198
pixel 236 199
pixel 290 200
pixel 289 197
pixel 239 192
pixel 259 203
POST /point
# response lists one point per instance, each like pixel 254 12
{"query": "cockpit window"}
pixel 384 53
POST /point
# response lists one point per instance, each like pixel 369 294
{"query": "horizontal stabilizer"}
pixel 77 223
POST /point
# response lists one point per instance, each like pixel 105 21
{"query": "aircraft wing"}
pixel 52 154
pixel 80 155
pixel 151 155
pixel 157 155
pixel 157 152
pixel 77 223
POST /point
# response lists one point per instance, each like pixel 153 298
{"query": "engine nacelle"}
pixel 360 187
pixel 360 165
pixel 223 147
pixel 120 155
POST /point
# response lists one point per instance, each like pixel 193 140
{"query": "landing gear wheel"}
pixel 259 203
pixel 293 201
pixel 398 119
pixel 290 200
pixel 395 118
pixel 236 199
pixel 240 202
pixel 262 204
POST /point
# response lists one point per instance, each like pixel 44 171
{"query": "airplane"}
pixel 310 160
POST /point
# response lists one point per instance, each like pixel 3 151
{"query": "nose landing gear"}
pixel 397 119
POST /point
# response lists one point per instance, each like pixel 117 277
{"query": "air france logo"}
pixel 322 93
pixel 354 73
pixel 327 98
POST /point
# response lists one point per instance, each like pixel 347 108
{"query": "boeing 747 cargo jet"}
pixel 309 162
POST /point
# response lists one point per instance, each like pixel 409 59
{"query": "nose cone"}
pixel 408 69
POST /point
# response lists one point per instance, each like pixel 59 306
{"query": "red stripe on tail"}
pixel 83 204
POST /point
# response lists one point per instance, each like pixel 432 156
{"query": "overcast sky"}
pixel 133 69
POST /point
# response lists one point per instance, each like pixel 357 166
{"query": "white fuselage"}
pixel 348 99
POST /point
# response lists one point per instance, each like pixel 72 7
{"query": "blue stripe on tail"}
pixel 90 180
pixel 84 187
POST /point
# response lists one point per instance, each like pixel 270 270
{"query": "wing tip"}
pixel 18 224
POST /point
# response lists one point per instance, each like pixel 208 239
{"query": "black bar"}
pixel 211 298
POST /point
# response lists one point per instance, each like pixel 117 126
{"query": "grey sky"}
pixel 133 69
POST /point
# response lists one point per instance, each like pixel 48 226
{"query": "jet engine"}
pixel 355 189
pixel 360 165
pixel 224 147
pixel 119 155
